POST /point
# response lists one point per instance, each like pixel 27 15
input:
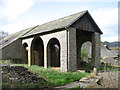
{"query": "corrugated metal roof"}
pixel 11 38
pixel 56 24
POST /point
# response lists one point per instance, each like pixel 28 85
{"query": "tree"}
pixel 84 54
pixel 106 43
pixel 3 34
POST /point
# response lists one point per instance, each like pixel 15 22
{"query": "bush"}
pixel 84 54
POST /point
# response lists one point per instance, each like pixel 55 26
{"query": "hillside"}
pixel 112 44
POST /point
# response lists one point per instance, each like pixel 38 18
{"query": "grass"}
pixel 56 78
pixel 53 78
pixel 8 62
pixel 109 68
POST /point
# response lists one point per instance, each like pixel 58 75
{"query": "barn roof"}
pixel 61 23
pixel 11 38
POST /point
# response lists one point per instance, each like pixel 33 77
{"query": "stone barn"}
pixel 55 44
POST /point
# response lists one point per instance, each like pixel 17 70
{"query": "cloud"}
pixel 110 39
pixel 107 20
pixel 15 27
pixel 20 25
pixel 14 8
pixel 106 16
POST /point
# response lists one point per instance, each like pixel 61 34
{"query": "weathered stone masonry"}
pixel 61 36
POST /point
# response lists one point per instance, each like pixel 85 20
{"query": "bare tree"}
pixel 3 34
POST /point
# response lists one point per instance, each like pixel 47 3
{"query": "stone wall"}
pixel 13 51
pixel 13 74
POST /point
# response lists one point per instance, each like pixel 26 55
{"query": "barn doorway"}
pixel 37 52
pixel 53 53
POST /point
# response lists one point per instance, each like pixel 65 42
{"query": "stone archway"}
pixel 37 52
pixel 86 55
pixel 25 51
pixel 53 53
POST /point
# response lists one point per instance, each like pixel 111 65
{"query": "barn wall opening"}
pixel 37 52
pixel 86 55
pixel 25 52
pixel 53 53
pixel 84 39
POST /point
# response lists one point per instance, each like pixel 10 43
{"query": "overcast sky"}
pixel 16 15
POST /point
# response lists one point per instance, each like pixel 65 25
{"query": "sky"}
pixel 16 15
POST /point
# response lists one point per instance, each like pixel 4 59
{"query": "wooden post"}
pixel 95 71
pixel 29 57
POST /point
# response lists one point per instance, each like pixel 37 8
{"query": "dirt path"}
pixel 71 85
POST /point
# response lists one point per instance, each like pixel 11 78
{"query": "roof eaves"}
pixel 43 32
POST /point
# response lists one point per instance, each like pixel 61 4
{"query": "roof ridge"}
pixel 56 24
pixel 64 17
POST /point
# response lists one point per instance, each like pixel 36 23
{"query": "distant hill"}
pixel 112 44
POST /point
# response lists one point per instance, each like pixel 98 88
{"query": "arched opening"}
pixel 37 52
pixel 25 52
pixel 53 53
pixel 86 56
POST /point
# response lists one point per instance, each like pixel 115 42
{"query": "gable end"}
pixel 86 23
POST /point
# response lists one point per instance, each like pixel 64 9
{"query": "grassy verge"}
pixel 56 78
pixel 109 68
